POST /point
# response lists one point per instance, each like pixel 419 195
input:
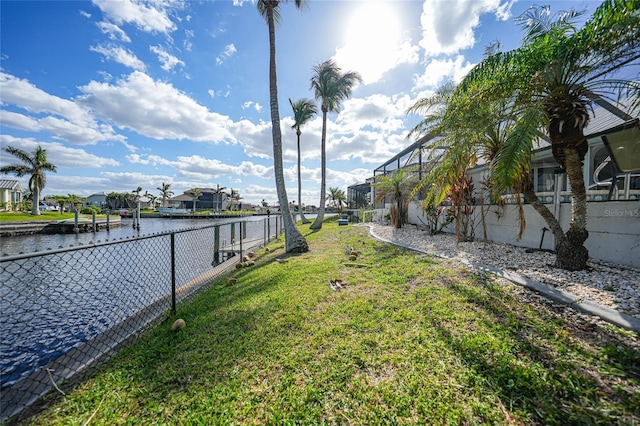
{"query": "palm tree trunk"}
pixel 294 241
pixel 572 254
pixel 400 220
pixel 549 218
pixel 317 224
pixel 303 219
pixel 35 208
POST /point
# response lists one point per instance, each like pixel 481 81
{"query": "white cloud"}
pixel 251 104
pixel 229 51
pixel 448 25
pixel 150 17
pixel 196 167
pixel 370 50
pixel 441 70
pixel 113 31
pixel 65 119
pixel 59 154
pixel 155 109
pixel 189 34
pixel 168 61
pixel 120 55
pixel 27 96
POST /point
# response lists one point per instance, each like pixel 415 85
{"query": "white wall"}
pixel 614 228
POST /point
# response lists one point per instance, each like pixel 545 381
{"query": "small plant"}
pixel 463 207
pixel 437 218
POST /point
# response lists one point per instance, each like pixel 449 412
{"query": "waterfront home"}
pixel 211 199
pixel 99 199
pixel 10 194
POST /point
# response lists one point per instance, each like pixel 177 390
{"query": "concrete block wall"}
pixel 614 228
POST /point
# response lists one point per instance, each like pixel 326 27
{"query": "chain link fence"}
pixel 63 310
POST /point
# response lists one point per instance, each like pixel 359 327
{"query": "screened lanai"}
pixel 414 157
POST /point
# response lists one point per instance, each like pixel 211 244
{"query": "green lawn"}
pixel 44 216
pixel 410 339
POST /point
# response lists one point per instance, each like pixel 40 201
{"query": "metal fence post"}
pixel 264 231
pixel 241 236
pixel 216 246
pixel 173 272
pixel 233 234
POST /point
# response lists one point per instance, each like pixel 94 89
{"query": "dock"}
pixel 65 226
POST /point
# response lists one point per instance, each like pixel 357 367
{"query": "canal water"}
pixel 51 304
pixel 148 226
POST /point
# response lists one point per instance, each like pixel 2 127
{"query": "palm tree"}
pixel 294 241
pixel 195 194
pixel 557 74
pixel 303 110
pixel 152 199
pixel 165 192
pixel 62 201
pixel 34 166
pixel 398 186
pixel 332 87
pixel 116 200
pixel 219 191
pixel 74 200
pixel 469 131
pixel 234 198
pixel 338 198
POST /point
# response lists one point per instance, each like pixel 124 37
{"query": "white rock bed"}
pixel 604 283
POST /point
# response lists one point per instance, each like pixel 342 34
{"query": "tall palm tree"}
pixel 557 74
pixel 219 191
pixel 165 192
pixel 303 110
pixel 34 166
pixel 294 241
pixel 195 193
pixel 331 86
pixel 234 199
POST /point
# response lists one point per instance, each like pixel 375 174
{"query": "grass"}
pixel 410 339
pixel 44 216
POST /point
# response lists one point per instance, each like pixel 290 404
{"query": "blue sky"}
pixel 129 93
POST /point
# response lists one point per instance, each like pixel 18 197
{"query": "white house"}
pixel 10 194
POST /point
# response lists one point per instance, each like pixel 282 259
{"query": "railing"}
pixel 63 310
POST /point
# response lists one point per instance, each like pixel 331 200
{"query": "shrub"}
pixel 91 209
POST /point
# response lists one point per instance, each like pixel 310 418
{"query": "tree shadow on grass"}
pixel 541 365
